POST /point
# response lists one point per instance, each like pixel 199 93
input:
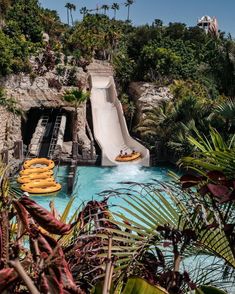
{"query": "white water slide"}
pixel 109 123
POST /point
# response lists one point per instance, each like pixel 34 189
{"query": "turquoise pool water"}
pixel 90 181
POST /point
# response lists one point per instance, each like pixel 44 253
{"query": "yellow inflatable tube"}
pixel 41 181
pixel 44 161
pixel 25 179
pixel 41 187
pixel 34 176
pixel 35 170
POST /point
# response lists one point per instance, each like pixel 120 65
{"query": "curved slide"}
pixel 109 123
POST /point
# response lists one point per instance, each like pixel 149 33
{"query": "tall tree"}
pixel 115 6
pixel 84 11
pixel 67 6
pixel 105 8
pixel 76 97
pixel 72 8
pixel 128 4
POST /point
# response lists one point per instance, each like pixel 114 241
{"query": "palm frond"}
pixel 214 155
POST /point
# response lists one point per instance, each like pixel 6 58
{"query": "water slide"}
pixel 109 123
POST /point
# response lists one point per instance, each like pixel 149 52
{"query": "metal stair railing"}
pixel 54 137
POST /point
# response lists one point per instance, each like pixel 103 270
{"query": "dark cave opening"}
pixel 29 124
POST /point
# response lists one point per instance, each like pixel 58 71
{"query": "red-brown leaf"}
pixel 53 278
pixel 62 276
pixel 67 278
pixel 43 245
pixel 218 191
pixel 44 218
pixel 167 244
pixel 7 277
pixel 203 190
pixel 44 285
pixel 22 213
pixel 216 176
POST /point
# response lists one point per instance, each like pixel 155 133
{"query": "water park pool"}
pixel 90 181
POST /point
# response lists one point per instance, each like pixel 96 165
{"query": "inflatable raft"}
pixel 41 187
pixel 37 177
pixel 39 161
pixel 128 157
pixel 34 176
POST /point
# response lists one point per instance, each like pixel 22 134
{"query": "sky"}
pixel 145 11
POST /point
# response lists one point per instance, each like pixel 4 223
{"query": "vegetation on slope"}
pixel 198 67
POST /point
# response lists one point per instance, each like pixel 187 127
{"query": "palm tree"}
pixel 84 11
pixel 115 7
pixel 76 97
pixel 128 4
pixel 213 154
pixel 105 8
pixel 158 122
pixel 225 111
pixel 97 9
pixel 72 8
pixel 67 5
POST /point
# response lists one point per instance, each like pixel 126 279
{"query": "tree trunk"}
pixel 68 16
pixel 71 15
pixel 128 13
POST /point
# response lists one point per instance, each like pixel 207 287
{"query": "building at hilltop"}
pixel 209 24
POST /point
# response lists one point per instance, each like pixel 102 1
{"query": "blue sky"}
pixel 145 11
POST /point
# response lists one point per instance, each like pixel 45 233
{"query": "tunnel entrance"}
pixel 32 119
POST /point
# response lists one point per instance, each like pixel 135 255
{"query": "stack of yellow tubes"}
pixel 38 179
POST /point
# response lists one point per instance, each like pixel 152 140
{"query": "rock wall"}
pixel 146 96
pixel 31 93
pixel 35 93
pixel 10 130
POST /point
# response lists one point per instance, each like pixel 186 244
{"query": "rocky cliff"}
pixel 10 126
pixel 146 96
pixel 35 93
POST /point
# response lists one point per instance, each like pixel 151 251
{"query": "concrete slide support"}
pixel 109 123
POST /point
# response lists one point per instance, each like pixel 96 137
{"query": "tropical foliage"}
pixel 146 242
pixel 76 97
pixel 212 154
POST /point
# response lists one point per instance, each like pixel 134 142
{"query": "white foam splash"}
pixel 122 173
